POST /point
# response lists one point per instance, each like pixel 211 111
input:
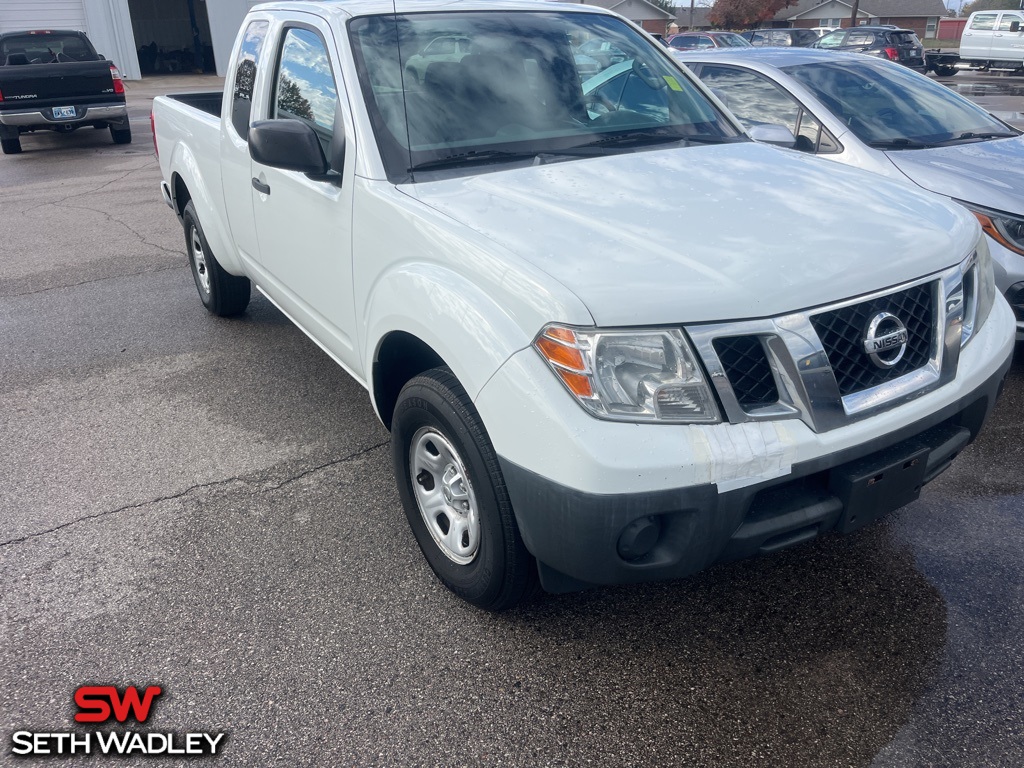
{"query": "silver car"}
pixel 889 119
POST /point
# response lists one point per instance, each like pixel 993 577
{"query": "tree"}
pixel 990 5
pixel 665 5
pixel 734 14
pixel 290 99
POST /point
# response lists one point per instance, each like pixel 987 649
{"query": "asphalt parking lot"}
pixel 207 505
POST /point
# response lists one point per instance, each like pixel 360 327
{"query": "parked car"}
pixel 991 41
pixel 819 31
pixel 605 52
pixel 881 117
pixel 588 378
pixel 54 80
pixel 686 40
pixel 886 42
pixel 441 48
pixel 786 38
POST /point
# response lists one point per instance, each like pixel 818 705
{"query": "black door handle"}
pixel 259 186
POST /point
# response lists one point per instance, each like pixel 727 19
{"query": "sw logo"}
pixel 103 703
pixel 98 702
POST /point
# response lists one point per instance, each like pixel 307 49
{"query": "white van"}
pixel 994 40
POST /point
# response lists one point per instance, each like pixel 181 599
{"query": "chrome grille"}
pixel 842 333
pixel 820 369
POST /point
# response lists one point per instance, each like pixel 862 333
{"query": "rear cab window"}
pixel 245 76
pixel 46 48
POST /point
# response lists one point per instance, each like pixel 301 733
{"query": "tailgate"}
pixel 909 47
pixel 56 84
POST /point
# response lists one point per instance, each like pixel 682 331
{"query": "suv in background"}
pixel 886 42
pixel 790 38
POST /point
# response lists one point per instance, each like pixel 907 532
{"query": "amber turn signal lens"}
pixel 577 383
pixel 559 354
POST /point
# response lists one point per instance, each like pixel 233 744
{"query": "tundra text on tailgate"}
pixel 613 339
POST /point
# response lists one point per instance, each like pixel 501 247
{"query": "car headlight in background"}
pixel 1006 229
pixel 637 375
pixel 980 290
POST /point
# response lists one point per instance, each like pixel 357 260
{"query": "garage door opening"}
pixel 172 36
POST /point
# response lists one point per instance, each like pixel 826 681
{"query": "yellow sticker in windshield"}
pixel 673 83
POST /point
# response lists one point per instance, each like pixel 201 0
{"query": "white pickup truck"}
pixel 614 340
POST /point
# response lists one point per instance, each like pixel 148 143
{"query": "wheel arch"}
pixel 400 357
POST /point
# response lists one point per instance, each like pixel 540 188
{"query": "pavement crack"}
pixel 87 282
pixel 111 217
pixel 187 491
pixel 92 191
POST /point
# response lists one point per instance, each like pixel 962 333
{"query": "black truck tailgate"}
pixel 56 84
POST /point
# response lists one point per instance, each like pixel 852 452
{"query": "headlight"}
pixel 1005 228
pixel 979 290
pixel 630 375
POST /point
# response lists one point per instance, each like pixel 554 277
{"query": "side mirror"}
pixel 776 135
pixel 290 145
pixel 1015 26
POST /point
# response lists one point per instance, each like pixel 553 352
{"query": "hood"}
pixel 708 233
pixel 989 173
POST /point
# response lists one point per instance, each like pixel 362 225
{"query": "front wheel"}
pixel 223 294
pixel 944 70
pixel 454 494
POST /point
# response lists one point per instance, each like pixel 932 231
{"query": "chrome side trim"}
pixel 803 375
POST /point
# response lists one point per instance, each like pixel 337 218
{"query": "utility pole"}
pixel 691 13
pixel 853 13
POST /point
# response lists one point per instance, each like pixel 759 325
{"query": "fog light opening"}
pixel 639 538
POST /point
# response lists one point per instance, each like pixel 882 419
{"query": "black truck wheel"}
pixel 10 146
pixel 944 70
pixel 223 294
pixel 454 495
pixel 121 135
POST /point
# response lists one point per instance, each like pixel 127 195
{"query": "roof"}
pixel 641 9
pixel 872 8
pixel 772 56
pixel 700 17
pixel 349 8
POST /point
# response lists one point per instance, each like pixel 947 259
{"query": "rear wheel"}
pixel 454 494
pixel 121 135
pixel 944 70
pixel 10 146
pixel 223 294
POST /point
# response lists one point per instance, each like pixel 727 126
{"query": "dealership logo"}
pixel 103 703
pixel 886 340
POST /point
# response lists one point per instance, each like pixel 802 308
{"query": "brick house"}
pixel 647 15
pixel 922 16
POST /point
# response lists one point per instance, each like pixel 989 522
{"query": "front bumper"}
pixel 585 491
pixel 1009 272
pixel 37 118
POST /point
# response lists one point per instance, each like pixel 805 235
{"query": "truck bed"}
pixel 205 101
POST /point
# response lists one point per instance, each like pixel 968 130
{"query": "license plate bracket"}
pixel 877 484
pixel 64 112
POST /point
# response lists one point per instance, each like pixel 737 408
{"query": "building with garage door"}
pixel 142 37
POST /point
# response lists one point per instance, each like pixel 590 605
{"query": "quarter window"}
pixel 245 76
pixel 305 88
pixel 832 39
pixel 984 21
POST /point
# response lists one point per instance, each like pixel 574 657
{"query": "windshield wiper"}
pixel 972 135
pixel 900 144
pixel 470 158
pixel 645 138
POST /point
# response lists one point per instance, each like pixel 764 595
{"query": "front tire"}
pixel 454 494
pixel 944 71
pixel 223 294
pixel 10 146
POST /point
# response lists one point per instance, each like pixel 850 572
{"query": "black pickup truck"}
pixel 54 80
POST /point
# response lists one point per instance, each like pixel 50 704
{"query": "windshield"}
pixel 731 40
pixel 890 106
pixel 447 90
pixel 46 48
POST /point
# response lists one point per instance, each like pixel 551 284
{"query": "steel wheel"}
pixel 445 496
pixel 199 257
